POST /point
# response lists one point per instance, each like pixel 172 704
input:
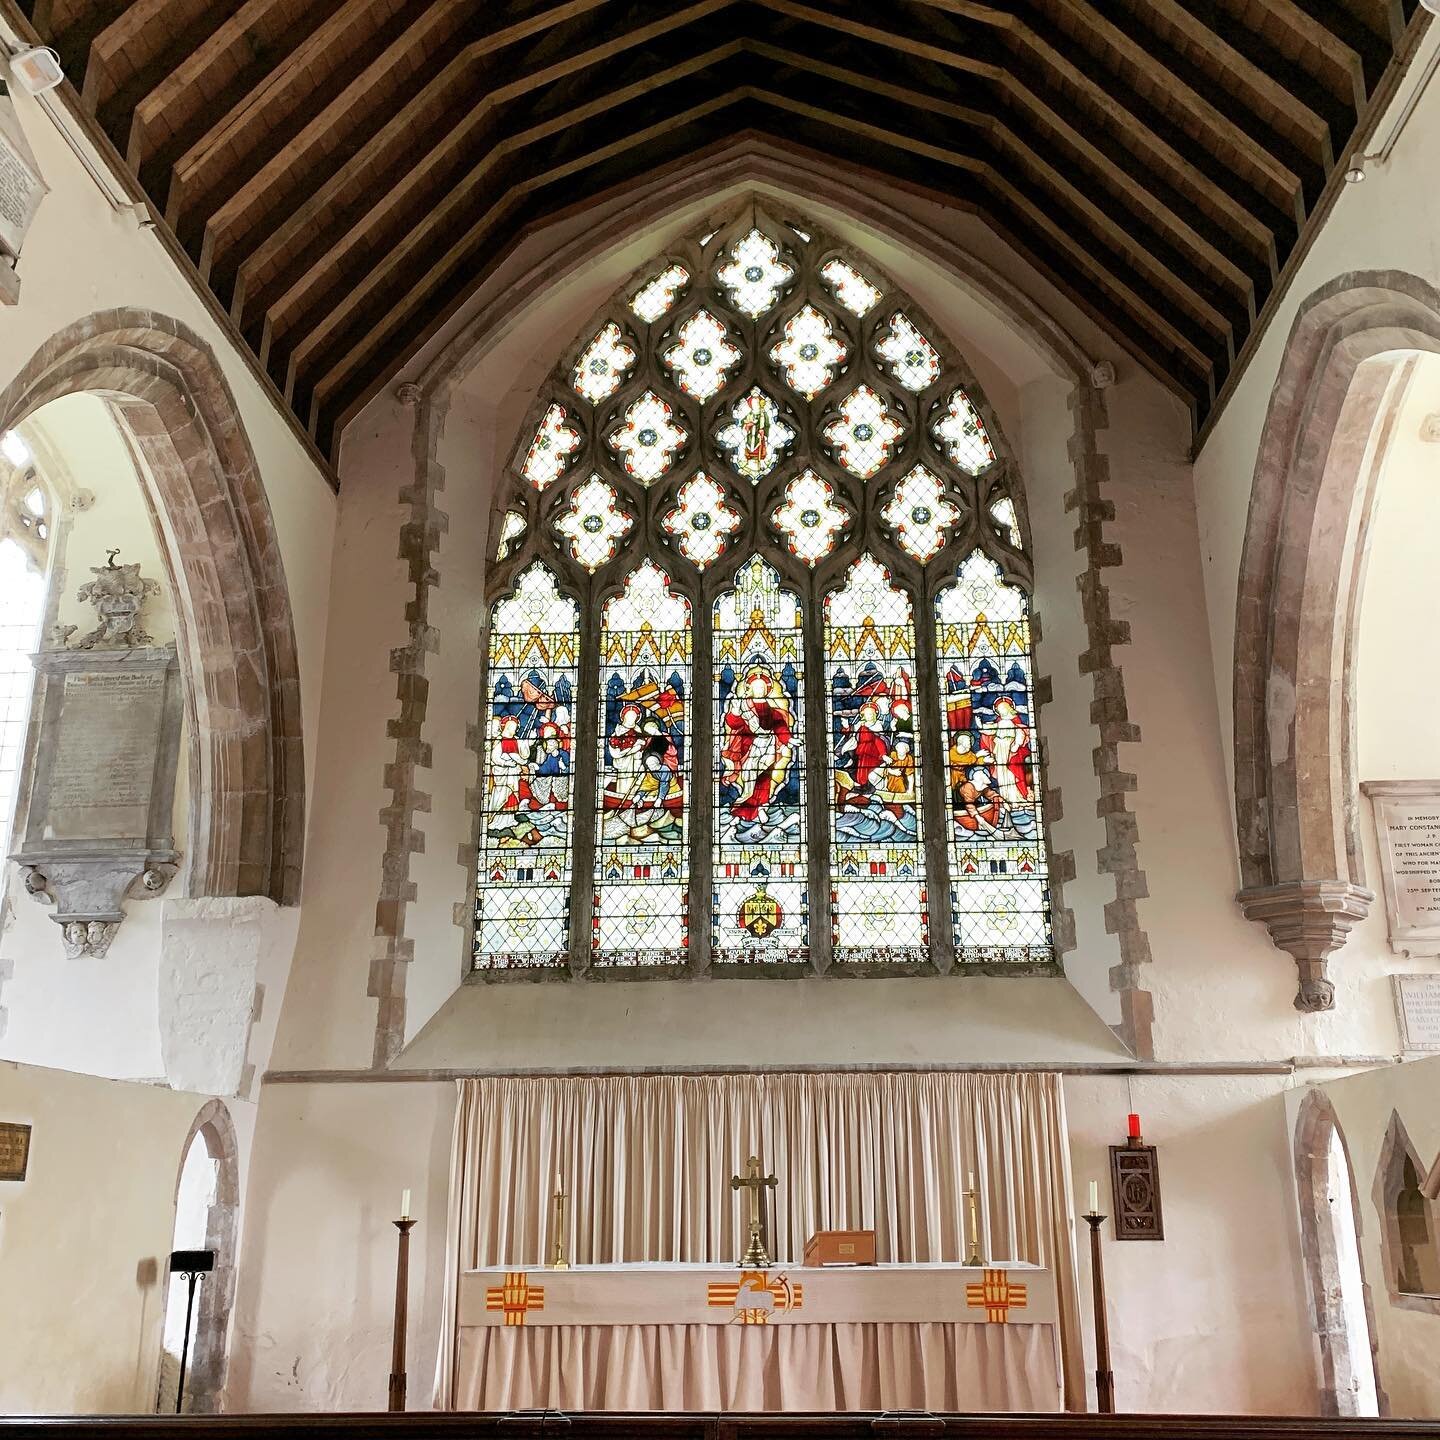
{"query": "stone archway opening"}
pixel 1339 1298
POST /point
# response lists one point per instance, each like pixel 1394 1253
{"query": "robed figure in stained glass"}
pixel 644 788
pixel 759 720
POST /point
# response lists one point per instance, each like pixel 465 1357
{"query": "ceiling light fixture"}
pixel 1356 173
pixel 37 69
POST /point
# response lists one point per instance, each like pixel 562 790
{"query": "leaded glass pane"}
pixel 654 298
pixel 809 352
pixel 642 869
pixel 603 364
pixel 1002 512
pixel 648 439
pixel 864 433
pixel 511 529
pixel 810 519
pixel 594 523
pixel 919 513
pixel 522 908
pixel 756 436
pixel 850 287
pixel 701 520
pixel 911 357
pixel 755 274
pixel 999 893
pixel 702 357
pixel 879 907
pixel 760 909
pixel 962 434
pixel 549 454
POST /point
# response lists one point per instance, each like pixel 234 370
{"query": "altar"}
pixel 701 1337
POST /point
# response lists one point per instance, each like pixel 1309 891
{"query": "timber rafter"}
pixel 344 173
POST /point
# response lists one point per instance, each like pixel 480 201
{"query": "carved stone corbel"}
pixel 1310 920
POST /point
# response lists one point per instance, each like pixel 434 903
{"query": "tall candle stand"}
pixel 402 1305
pixel 557 1251
pixel 1104 1376
pixel 973 1204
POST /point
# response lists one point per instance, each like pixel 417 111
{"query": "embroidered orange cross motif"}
pixel 755 1285
pixel 515 1297
pixel 996 1294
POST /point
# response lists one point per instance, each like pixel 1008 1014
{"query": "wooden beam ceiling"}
pixel 344 173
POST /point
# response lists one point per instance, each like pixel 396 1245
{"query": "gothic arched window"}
pixel 762 466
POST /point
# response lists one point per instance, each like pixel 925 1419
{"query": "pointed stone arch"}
pixel 1297 607
pixel 234 627
pixel 1409 1222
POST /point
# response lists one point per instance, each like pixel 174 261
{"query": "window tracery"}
pixel 762 465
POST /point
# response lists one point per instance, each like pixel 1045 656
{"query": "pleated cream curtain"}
pixel 647 1159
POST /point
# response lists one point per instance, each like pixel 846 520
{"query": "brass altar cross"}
pixel 755 1257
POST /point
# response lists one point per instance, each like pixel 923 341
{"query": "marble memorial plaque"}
pixel 1407 828
pixel 1417 1007
pixel 102 776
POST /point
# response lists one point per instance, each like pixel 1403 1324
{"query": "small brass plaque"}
pixel 14 1150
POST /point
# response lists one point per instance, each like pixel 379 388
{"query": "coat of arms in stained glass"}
pixel 522 907
pixel 879 906
pixel 760 900
pixel 641 915
pixel 999 893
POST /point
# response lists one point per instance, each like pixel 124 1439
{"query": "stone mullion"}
pixel 817 786
pixel 933 798
pixel 583 802
pixel 698 831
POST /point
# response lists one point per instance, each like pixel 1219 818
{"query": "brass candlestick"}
pixel 974 1257
pixel 557 1253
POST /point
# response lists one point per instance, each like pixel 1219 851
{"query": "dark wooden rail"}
pixel 555 1425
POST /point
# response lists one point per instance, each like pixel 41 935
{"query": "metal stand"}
pixel 192 1264
pixel 402 1306
pixel 1104 1376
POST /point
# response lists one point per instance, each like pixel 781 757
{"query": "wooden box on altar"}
pixel 840 1247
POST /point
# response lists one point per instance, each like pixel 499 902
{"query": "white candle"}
pixel 1094 1197
pixel 559 1184
pixel 404 1204
pixel 970 1182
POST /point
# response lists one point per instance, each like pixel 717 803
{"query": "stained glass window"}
pixel 760 909
pixel 594 524
pixel 879 908
pixel 701 520
pixel 962 433
pixel 641 865
pixel 999 893
pixel 759 426
pixel 522 907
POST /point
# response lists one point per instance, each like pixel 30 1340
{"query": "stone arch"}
pixel 234 628
pixel 1316 1128
pixel 1296 610
pixel 205 1383
pixel 1409 1222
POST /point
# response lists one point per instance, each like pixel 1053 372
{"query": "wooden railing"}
pixel 608 1425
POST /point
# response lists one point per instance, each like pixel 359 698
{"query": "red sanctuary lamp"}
pixel 1135 1184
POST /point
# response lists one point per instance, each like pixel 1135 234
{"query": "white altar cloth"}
pixel 699 1337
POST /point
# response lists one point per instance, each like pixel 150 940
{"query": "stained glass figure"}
pixel 701 520
pixel 654 298
pixel 850 287
pixel 809 352
pixel 642 870
pixel 999 891
pixel 702 357
pixel 648 438
pixel 864 432
pixel 511 529
pixel 760 905
pixel 1002 512
pixel 919 513
pixel 879 906
pixel 809 518
pixel 603 364
pixel 756 438
pixel 522 905
pixel 594 523
pixel 911 357
pixel 962 434
pixel 755 274
pixel 549 454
